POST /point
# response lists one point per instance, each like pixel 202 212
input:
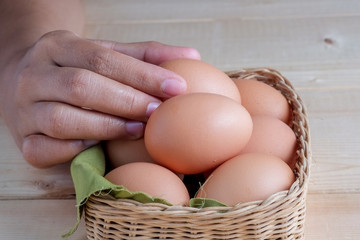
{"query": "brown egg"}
pixel 247 177
pixel 203 77
pixel 152 179
pixel 122 151
pixel 261 99
pixel 272 136
pixel 196 132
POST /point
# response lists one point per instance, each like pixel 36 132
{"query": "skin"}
pixel 61 93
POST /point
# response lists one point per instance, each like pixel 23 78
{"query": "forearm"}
pixel 24 22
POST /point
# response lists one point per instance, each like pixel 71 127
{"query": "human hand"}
pixel 67 93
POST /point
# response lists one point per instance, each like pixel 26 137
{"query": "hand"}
pixel 67 93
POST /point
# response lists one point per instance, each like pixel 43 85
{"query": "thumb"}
pixel 43 152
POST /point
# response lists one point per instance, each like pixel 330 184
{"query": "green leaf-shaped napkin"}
pixel 87 171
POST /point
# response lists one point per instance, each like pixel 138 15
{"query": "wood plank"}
pixel 334 116
pixel 309 43
pixel 20 180
pixel 128 11
pixel 329 217
pixel 38 219
pixel 332 216
pixel 323 80
pixel 335 144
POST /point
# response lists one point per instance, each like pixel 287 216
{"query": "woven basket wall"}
pixel 281 216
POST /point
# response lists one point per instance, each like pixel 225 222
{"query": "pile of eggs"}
pixel 235 133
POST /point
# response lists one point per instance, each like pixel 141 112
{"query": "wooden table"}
pixel 316 44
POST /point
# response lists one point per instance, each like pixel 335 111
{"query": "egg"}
pixel 196 132
pixel 247 177
pixel 203 77
pixel 272 136
pixel 152 179
pixel 260 98
pixel 122 151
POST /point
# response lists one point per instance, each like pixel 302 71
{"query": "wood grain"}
pixel 19 180
pixel 243 34
pixel 38 219
pixel 332 216
pixel 142 11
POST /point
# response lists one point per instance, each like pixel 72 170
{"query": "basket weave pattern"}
pixel 281 216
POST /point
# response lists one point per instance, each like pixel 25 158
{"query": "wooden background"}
pixel 315 44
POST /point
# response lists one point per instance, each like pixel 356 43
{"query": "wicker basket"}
pixel 281 216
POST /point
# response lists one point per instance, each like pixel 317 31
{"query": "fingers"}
pixel 151 52
pixel 64 121
pixel 83 88
pixel 59 126
pixel 87 78
pixel 126 69
pixel 43 151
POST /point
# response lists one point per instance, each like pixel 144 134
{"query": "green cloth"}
pixel 87 171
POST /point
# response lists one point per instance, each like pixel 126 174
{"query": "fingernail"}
pixel 134 129
pixel 151 108
pixel 194 54
pixel 172 87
